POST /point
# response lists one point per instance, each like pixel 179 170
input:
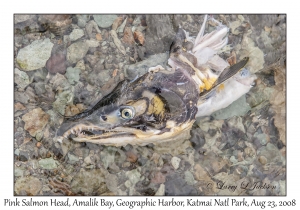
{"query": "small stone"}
pixel 76 34
pixel 158 178
pixel 98 37
pixel 19 106
pixel 134 176
pixel 38 144
pixel 30 185
pixel 35 121
pixel 39 88
pixel 48 163
pixel 22 18
pixel 57 63
pixel 94 186
pixel 105 21
pixel 161 190
pixel 35 55
pixel 18 172
pixel 131 157
pixel 72 75
pixel 21 78
pixel 17 152
pixel 189 178
pixel 39 136
pixel 128 184
pixel 263 160
pixel 23 156
pixel 175 162
pixel 77 51
pixel 72 158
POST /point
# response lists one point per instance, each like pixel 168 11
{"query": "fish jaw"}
pixel 123 138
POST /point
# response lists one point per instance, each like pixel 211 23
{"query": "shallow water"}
pixel 240 150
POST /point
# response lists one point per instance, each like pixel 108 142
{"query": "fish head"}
pixel 136 112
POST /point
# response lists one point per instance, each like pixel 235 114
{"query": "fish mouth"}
pixel 120 136
pixel 96 134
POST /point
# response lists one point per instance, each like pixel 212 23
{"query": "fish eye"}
pixel 127 113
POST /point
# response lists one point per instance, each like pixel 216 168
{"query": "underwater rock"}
pixel 94 186
pixel 35 121
pixel 128 36
pixel 161 190
pixel 21 78
pixel 159 34
pixel 31 185
pixel 48 163
pixel 175 185
pixel 35 55
pixel 175 162
pixel 72 158
pixel 105 21
pixel 64 98
pixel 117 42
pixel 22 18
pixel 77 51
pixel 72 75
pixel 138 69
pixel 76 34
pixel 90 26
pixel 57 63
pixel 133 176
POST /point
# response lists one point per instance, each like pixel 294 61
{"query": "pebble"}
pixel 31 185
pixel 117 42
pixel 77 51
pixel 133 176
pixel 161 190
pixel 22 18
pixel 72 158
pixel 76 34
pixel 175 185
pixel 189 178
pixel 131 157
pixel 18 106
pixel 262 159
pixel 72 75
pixel 35 121
pixel 175 162
pixel 18 172
pixel 104 21
pixel 48 163
pixel 94 186
pixel 21 78
pixel 140 68
pixel 35 55
pixel 82 20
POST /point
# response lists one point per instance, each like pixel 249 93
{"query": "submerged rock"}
pixel 72 75
pixel 30 185
pixel 76 34
pixel 90 182
pixel 104 21
pixel 35 55
pixel 140 68
pixel 21 78
pixel 48 163
pixel 35 121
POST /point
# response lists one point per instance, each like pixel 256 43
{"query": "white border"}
pixel 153 6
